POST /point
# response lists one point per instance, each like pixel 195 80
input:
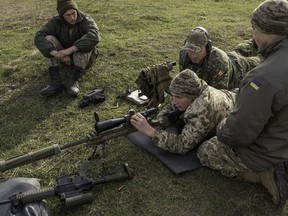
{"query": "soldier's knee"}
pixel 203 153
pixel 202 150
pixel 207 150
pixel 81 59
pixel 51 38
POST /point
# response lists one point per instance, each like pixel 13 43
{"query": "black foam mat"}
pixel 177 163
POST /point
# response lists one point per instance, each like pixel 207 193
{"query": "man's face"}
pixel 263 39
pixel 195 57
pixel 70 16
pixel 181 102
pixel 260 37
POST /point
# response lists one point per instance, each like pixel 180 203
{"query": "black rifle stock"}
pixel 119 127
pixel 72 190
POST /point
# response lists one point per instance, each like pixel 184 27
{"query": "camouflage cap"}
pixel 196 39
pixel 271 16
pixel 186 83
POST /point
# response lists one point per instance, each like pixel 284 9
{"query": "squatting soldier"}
pixel 219 69
pixel 252 142
pixel 203 108
pixel 68 39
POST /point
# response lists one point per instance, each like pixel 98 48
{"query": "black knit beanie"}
pixel 64 5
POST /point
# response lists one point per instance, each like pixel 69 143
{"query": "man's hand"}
pixel 56 54
pixel 66 60
pixel 68 51
pixel 64 55
pixel 163 121
pixel 142 125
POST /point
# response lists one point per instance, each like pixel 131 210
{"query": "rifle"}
pixel 104 131
pixel 72 190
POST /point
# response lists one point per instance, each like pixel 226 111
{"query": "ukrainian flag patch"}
pixel 255 84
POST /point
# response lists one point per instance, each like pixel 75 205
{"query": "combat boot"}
pixel 275 180
pixel 267 179
pixel 72 84
pixel 55 84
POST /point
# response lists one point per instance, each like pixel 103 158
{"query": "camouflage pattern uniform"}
pixel 247 48
pixel 200 118
pixel 219 69
pixel 254 136
pixel 218 156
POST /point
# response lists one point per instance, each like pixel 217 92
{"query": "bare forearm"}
pixel 62 53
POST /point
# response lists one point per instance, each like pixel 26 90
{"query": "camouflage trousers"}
pixel 78 59
pixel 218 156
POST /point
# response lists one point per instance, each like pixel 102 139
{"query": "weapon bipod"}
pixel 100 150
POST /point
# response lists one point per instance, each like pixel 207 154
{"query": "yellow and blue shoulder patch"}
pixel 255 84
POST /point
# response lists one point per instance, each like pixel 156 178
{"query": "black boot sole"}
pixel 281 180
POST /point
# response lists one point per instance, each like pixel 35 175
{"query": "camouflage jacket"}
pixel 84 34
pixel 257 128
pixel 219 69
pixel 200 118
pixel 216 69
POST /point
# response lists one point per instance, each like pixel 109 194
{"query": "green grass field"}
pixel 134 34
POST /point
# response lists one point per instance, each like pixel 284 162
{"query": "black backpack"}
pixel 15 186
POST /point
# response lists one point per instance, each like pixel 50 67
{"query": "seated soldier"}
pixel 252 142
pixel 67 39
pixel 203 108
pixel 219 69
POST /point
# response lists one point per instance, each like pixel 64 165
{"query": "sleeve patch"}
pixel 220 73
pixel 255 84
